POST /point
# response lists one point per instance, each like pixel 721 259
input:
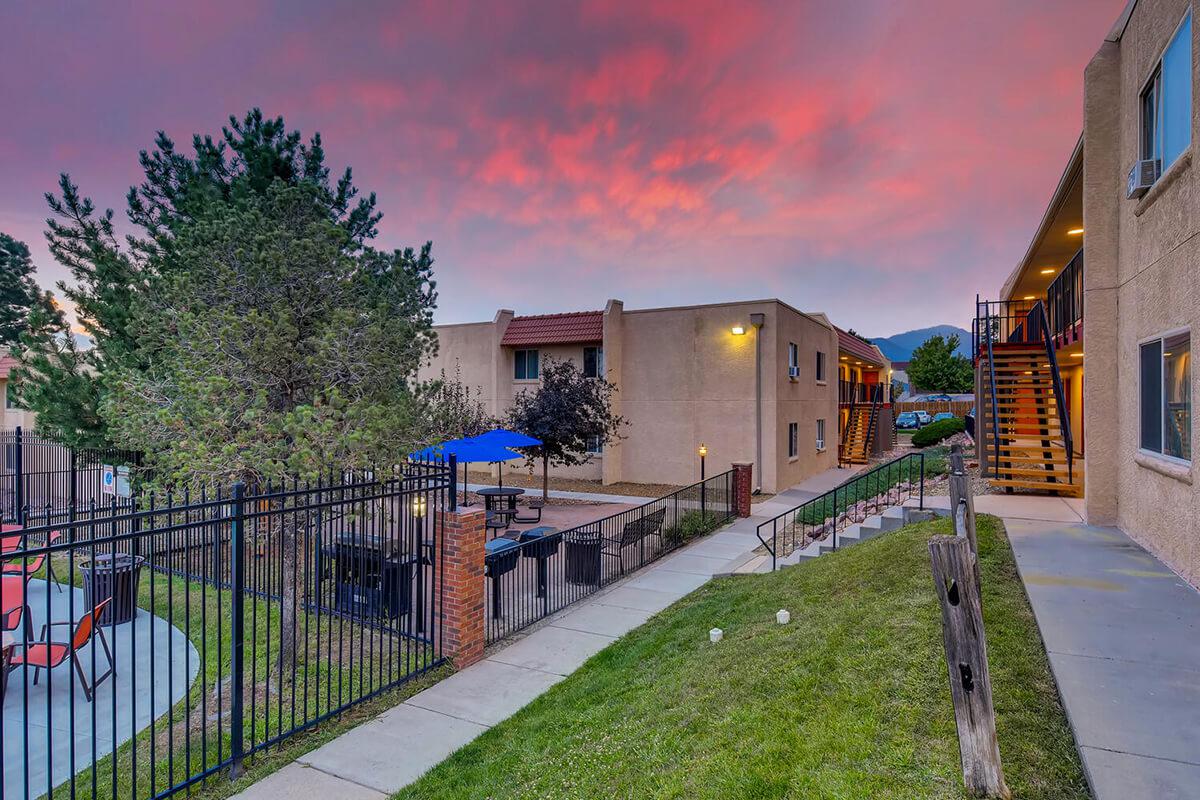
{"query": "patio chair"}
pixel 46 654
pixel 635 532
pixel 535 505
pixel 17 565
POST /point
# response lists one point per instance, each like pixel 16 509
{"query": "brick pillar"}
pixel 743 485
pixel 461 569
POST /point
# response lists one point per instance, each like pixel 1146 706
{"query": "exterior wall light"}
pixel 1075 232
pixel 738 330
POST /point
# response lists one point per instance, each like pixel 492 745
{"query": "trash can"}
pixel 583 558
pixel 115 577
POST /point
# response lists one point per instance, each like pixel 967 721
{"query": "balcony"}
pixel 852 392
pixel 1064 303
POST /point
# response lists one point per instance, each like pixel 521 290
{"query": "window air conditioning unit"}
pixel 1141 177
pixel 793 372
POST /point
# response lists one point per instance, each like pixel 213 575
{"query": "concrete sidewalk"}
pixel 386 754
pixel 1123 635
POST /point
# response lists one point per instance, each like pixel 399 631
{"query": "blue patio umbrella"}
pixel 466 451
pixel 507 438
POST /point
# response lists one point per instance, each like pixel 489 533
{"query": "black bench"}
pixel 535 505
pixel 635 532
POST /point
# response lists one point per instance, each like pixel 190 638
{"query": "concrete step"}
pixel 755 565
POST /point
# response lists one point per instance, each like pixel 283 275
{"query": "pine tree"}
pixel 111 277
pixel 19 294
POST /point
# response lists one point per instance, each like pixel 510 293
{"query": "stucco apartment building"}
pixel 1115 265
pixel 754 381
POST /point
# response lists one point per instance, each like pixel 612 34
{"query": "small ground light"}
pixel 783 616
pixel 716 635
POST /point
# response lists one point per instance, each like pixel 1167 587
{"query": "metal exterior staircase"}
pixel 1027 436
pixel 862 423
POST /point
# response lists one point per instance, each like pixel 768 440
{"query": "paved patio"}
pixel 124 704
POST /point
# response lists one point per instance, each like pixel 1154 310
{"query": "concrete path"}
pixel 1123 634
pixel 385 755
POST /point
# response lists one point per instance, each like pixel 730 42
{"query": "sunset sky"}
pixel 881 161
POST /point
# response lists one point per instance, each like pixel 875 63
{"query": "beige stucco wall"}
pixel 10 418
pixel 1141 280
pixel 683 378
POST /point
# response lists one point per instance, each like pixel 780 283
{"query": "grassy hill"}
pixel 851 700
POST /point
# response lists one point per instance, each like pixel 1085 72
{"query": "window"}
pixel 1166 396
pixel 10 396
pixel 820 435
pixel 1166 101
pixel 526 365
pixel 595 445
pixel 793 360
pixel 820 366
pixel 593 362
pixel 793 439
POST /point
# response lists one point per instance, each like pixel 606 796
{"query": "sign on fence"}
pixel 115 480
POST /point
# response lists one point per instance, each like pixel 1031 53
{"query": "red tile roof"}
pixel 577 326
pixel 7 365
pixel 849 343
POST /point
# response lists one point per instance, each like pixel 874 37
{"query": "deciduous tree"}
pixel 936 368
pixel 568 412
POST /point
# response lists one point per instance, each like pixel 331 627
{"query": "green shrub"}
pixel 937 431
pixel 692 524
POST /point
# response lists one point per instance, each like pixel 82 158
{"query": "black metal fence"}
pixel 852 502
pixel 149 649
pixel 43 474
pixel 533 577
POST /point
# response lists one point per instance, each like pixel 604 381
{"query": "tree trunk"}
pixel 289 592
pixel 545 476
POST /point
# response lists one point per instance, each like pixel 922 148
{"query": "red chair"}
pixel 13 609
pixel 17 565
pixel 46 655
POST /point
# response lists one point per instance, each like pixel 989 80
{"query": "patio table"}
pixel 493 495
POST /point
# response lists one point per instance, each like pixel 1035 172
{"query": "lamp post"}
pixel 419 507
pixel 703 451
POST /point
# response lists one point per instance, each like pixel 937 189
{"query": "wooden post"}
pixel 955 579
pixel 962 503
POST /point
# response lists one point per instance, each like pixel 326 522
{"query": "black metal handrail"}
pixel 1064 421
pixel 995 402
pixel 814 516
pixel 876 399
pixel 844 434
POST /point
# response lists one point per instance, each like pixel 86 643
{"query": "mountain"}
pixel 900 347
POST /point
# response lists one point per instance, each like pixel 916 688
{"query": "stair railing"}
pixel 995 405
pixel 849 421
pixel 1064 420
pixel 876 398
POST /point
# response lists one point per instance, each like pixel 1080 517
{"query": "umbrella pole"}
pixel 500 473
pixel 464 502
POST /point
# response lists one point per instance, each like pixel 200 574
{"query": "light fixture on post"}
pixel 703 451
pixel 419 508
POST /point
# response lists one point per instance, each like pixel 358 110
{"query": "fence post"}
pixel 237 568
pixel 962 504
pixel 955 580
pixel 743 485
pixel 460 570
pixel 19 470
pixel 921 503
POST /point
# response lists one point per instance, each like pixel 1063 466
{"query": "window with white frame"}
pixel 525 365
pixel 793 439
pixel 593 362
pixel 820 435
pixel 820 366
pixel 595 445
pixel 1165 373
pixel 1166 101
pixel 793 360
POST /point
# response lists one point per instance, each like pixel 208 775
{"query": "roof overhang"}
pixel 1053 246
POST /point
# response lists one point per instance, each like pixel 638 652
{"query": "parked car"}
pixel 923 418
pixel 938 398
pixel 907 420
pixel 942 415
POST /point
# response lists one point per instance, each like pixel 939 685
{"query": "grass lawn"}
pixel 851 700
